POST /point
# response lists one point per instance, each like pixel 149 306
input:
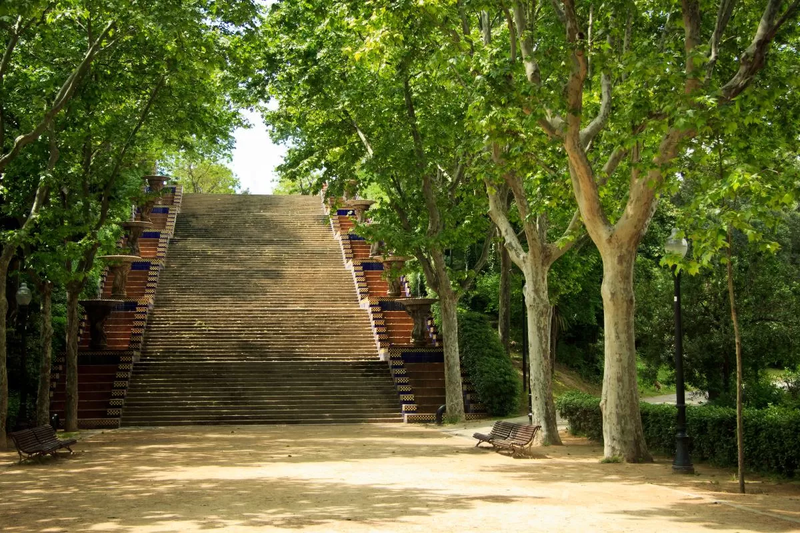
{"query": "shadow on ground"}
pixel 326 477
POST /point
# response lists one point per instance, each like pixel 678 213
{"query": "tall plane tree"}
pixel 623 88
pixel 379 111
pixel 172 68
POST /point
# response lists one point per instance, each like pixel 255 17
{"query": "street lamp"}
pixel 677 247
pixel 23 300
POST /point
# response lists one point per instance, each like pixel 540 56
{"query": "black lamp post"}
pixel 677 247
pixel 23 300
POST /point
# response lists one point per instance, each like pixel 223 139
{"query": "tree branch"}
pixel 412 123
pixel 752 60
pixel 512 33
pixel 580 169
pixel 481 262
pixel 64 95
pixel 723 17
pixel 498 212
pixel 434 217
pixel 567 241
pixel 559 12
pixel 691 28
pixel 12 43
pixel 642 199
pixel 593 128
pixel 525 28
pixel 611 165
pixel 360 133
pixel 531 230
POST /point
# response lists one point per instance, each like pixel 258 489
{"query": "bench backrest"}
pixel 46 434
pixel 523 434
pixel 501 429
pixel 25 440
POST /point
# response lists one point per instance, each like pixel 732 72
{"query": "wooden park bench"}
pixel 500 430
pixel 509 436
pixel 39 441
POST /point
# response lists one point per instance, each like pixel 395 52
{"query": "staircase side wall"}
pixel 104 376
pixel 391 328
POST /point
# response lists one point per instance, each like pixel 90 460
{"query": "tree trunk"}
pixel 5 260
pixel 454 391
pixel 504 303
pixel 539 311
pixel 73 331
pixel 43 397
pixel 622 423
pixel 554 331
pixel 738 337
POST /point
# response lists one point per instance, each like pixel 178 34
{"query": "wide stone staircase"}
pixel 256 320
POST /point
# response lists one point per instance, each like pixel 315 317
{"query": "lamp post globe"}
pixel 24 295
pixel 677 247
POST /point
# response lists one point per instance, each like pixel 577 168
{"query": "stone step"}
pixel 166 397
pixel 256 320
pixel 188 357
pixel 249 372
pixel 207 412
pixel 253 348
pixel 164 381
pixel 273 345
pixel 261 420
pixel 257 333
pixel 258 329
pixel 288 368
pixel 228 385
pixel 142 402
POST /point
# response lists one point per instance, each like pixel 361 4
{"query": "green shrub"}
pixel 791 380
pixel 583 412
pixel 488 367
pixel 13 410
pixel 771 436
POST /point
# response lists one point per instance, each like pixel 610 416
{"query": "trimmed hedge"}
pixel 771 436
pixel 490 370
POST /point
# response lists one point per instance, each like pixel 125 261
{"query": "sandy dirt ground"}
pixel 366 478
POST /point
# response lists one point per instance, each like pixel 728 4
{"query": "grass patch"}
pixel 564 380
pixel 662 384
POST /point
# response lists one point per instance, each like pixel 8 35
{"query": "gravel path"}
pixel 365 478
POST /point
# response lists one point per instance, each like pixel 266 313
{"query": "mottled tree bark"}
pixel 454 389
pixel 5 260
pixel 535 264
pixel 539 309
pixel 43 397
pixel 554 332
pixel 504 300
pixel 623 435
pixel 73 331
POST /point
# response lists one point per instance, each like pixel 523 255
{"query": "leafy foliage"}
pixel 197 174
pixel 768 296
pixel 485 362
pixel 91 94
pixel 771 439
